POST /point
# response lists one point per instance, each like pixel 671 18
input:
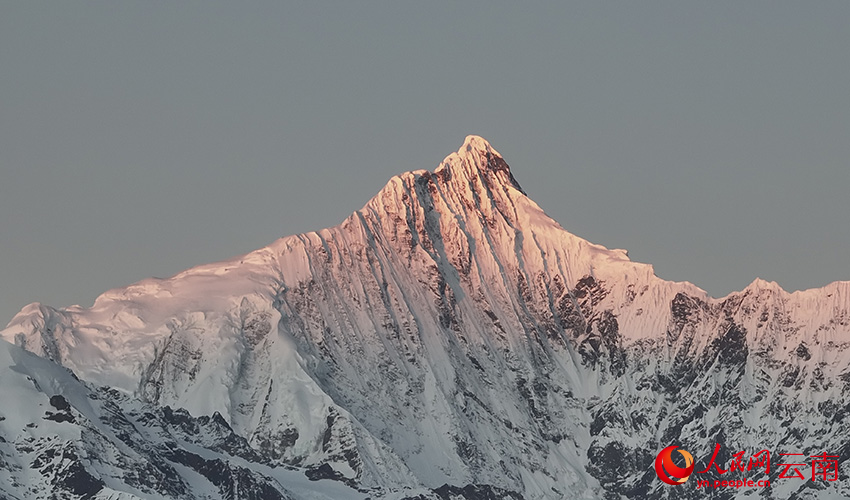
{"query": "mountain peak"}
pixel 476 142
pixel 475 176
pixel 477 158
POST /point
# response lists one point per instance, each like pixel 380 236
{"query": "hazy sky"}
pixel 710 139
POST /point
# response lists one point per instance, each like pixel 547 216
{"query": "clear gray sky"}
pixel 711 139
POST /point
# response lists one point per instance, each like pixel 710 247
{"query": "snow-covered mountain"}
pixel 63 439
pixel 448 340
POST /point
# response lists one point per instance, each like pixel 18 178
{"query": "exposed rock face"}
pixel 450 340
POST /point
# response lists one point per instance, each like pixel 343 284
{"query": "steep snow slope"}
pixel 61 439
pixel 451 332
